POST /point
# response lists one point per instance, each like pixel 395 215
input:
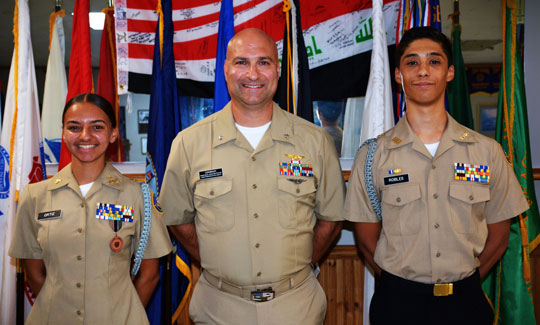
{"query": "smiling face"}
pixel 425 71
pixel 252 70
pixel 87 133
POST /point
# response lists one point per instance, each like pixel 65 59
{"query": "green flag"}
pixel 459 101
pixel 508 285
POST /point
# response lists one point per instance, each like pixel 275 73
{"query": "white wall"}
pixel 532 80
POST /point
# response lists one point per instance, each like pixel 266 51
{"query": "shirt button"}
pixel 257 245
pixel 79 312
pixel 435 196
pixel 436 225
pixel 253 158
pixel 78 285
pixel 259 273
pixel 439 280
pixel 433 167
pixel 471 197
pixel 297 190
pixel 211 192
pixel 438 254
pixel 82 205
pixel 79 257
pixel 398 199
pixel 254 186
pixel 79 230
pixel 255 215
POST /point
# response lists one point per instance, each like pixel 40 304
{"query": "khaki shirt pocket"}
pixel 296 201
pixel 401 216
pixel 467 204
pixel 214 203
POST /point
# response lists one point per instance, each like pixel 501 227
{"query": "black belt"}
pixel 436 289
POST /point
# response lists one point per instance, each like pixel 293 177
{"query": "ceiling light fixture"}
pixel 97 20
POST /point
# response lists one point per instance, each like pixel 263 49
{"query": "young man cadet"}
pixel 256 194
pixel 446 195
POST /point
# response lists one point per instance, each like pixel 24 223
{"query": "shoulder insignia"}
pixel 464 135
pixel 396 140
pixel 57 181
pixel 113 181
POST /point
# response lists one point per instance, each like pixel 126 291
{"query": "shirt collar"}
pixel 224 129
pixel 402 133
pixel 109 177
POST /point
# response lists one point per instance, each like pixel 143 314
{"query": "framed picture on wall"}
pixel 487 119
pixel 144 141
pixel 142 119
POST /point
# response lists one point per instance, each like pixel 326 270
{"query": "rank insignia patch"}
pixel 295 167
pixel 106 211
pixel 394 171
pixel 471 173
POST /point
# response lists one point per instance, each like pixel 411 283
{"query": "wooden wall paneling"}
pixel 342 278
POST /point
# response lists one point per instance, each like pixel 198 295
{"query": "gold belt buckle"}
pixel 443 289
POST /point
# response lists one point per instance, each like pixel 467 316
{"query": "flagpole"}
pixel 19 315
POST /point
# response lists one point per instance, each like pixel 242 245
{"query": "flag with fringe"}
pixel 21 150
pixel 80 63
pixel 508 285
pixel 55 90
pixel 294 91
pixel 225 33
pixel 163 125
pixel 107 80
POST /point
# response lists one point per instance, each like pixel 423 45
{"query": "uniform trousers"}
pixel 400 301
pixel 304 304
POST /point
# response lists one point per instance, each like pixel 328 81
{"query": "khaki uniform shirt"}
pixel 86 282
pixel 434 226
pixel 254 224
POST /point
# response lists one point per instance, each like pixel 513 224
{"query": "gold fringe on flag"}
pixel 52 22
pixel 290 78
pixel 16 87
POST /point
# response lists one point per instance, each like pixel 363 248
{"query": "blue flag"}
pixel 163 125
pixel 225 33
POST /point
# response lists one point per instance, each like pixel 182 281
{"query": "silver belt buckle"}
pixel 262 295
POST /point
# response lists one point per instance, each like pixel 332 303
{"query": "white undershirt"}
pixel 85 188
pixel 432 148
pixel 253 135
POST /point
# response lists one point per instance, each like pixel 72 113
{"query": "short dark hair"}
pixel 428 32
pixel 329 110
pixel 94 99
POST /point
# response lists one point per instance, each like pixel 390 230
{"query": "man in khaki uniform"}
pixel 256 195
pixel 86 281
pixel 446 195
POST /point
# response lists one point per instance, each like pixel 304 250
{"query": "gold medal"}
pixel 116 244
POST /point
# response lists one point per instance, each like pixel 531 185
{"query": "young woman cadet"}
pixel 78 231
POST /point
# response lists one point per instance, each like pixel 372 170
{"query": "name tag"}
pixel 49 215
pixel 390 180
pixel 211 173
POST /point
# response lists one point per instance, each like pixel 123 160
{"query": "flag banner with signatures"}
pixel 333 31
